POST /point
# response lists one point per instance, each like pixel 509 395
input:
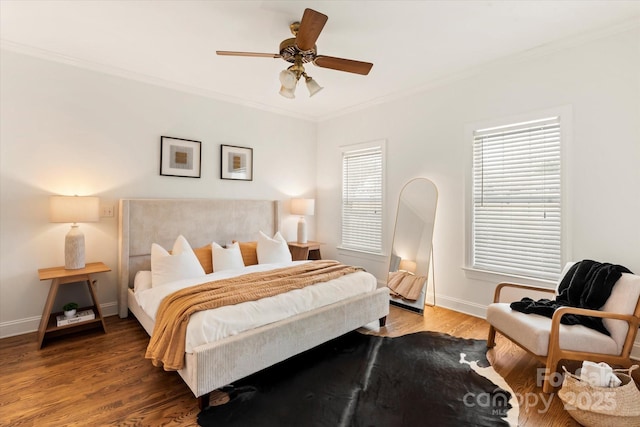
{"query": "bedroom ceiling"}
pixel 413 44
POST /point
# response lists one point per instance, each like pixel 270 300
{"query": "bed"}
pixel 212 365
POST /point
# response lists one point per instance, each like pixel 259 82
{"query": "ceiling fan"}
pixel 301 49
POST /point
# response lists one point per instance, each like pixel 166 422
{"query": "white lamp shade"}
pixel 288 79
pixel 408 265
pixel 313 87
pixel 303 206
pixel 287 93
pixel 74 209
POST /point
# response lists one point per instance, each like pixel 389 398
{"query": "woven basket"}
pixel 602 406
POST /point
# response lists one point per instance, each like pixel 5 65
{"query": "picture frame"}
pixel 180 157
pixel 236 163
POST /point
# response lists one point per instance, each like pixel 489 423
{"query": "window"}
pixel 516 218
pixel 362 198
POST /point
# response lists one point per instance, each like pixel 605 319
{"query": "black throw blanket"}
pixel 587 284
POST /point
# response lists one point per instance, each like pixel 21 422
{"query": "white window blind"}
pixel 517 199
pixel 362 199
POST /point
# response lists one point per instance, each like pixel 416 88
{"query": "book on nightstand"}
pixel 80 316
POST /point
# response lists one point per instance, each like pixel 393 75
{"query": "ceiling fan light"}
pixel 287 92
pixel 313 86
pixel 288 79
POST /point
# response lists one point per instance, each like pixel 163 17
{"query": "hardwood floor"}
pixel 95 379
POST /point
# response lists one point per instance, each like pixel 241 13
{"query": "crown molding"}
pixel 533 53
pixel 143 78
pixel 536 52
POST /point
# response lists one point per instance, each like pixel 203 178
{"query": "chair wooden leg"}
pixel 547 387
pixel 491 339
pixel 550 375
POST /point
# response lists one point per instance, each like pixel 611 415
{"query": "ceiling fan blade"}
pixel 255 54
pixel 310 27
pixel 340 64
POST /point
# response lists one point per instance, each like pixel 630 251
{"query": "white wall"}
pixel 66 130
pixel 600 82
pixel 71 131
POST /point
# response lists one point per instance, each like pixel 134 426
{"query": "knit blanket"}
pixel 405 285
pixel 587 284
pixel 167 345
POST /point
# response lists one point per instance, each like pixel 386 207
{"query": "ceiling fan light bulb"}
pixel 287 93
pixel 288 79
pixel 313 86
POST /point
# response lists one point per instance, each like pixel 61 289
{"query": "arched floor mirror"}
pixel 411 249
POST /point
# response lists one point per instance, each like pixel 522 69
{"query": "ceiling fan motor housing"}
pixel 289 50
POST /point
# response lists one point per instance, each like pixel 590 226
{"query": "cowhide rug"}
pixel 420 379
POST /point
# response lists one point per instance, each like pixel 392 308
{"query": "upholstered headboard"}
pixel 201 221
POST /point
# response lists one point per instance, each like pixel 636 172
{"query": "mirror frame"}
pixel 418 306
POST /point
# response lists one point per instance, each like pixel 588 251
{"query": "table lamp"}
pixel 408 266
pixel 74 209
pixel 302 207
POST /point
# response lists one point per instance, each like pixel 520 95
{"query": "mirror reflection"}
pixel 411 249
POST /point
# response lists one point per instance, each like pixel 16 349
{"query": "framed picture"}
pixel 179 157
pixel 236 163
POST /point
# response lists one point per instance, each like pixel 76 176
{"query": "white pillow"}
pixel 182 263
pixel 274 250
pixel 142 281
pixel 229 258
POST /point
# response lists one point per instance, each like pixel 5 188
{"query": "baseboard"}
pixel 466 307
pixel 30 324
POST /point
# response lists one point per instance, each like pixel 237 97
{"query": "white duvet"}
pixel 211 325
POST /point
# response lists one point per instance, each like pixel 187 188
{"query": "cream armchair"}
pixel 550 341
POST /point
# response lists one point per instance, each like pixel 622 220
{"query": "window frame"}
pixel 564 114
pixel 381 144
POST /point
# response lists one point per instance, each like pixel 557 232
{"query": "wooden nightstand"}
pixel 304 251
pixel 59 276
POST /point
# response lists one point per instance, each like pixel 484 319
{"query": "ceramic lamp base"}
pixel 302 230
pixel 74 249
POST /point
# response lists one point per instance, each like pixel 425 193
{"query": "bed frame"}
pixel 211 366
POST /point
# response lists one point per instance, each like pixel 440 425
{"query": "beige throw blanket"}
pixel 167 345
pixel 405 285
